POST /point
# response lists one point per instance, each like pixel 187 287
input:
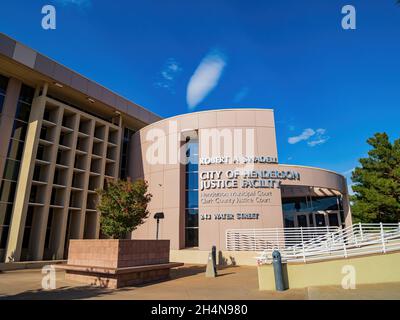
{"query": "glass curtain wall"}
pixel 128 133
pixel 9 180
pixel 192 194
pixel 311 211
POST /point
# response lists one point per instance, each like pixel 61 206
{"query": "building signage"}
pixel 237 160
pixel 239 185
pixel 233 179
pixel 230 216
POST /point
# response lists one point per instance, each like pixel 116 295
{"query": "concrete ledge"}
pixel 372 269
pixel 10 266
pixel 118 277
pixel 118 270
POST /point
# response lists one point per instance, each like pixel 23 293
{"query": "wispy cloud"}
pixel 205 78
pixel 241 94
pixel 81 3
pixel 169 72
pixel 350 189
pixel 305 135
pixel 347 172
pixel 313 137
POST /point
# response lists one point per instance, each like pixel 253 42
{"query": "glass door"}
pixel 319 219
pixel 333 218
pixel 302 220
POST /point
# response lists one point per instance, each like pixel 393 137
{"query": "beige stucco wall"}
pixel 255 129
pixel 378 268
pixel 224 258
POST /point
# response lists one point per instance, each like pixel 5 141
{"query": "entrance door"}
pixel 302 220
pixel 320 220
pixel 333 219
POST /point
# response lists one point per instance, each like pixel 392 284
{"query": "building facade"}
pixel 214 171
pixel 63 136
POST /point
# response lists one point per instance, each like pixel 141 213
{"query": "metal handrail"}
pixel 272 238
pixel 358 239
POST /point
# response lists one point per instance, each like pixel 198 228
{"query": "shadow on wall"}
pixel 223 261
pixel 285 276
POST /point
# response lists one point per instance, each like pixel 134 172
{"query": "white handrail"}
pixel 355 240
pixel 313 244
pixel 273 238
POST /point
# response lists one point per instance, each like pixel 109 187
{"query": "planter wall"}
pixel 114 253
pixel 118 263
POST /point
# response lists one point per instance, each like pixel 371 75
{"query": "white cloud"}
pixel 347 172
pixel 305 135
pixel 314 143
pixel 205 78
pixel 313 137
pixel 350 188
pixel 168 74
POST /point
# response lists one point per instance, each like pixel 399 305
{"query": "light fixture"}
pixel 57 84
pixel 90 100
pixel 158 216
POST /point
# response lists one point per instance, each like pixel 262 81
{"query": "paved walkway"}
pixel 188 282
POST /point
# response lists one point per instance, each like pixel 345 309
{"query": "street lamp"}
pixel 158 216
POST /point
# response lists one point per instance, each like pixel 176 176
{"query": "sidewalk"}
pixel 188 282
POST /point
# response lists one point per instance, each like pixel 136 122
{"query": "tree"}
pixel 377 182
pixel 123 206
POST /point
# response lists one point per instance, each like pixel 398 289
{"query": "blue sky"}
pixel 330 88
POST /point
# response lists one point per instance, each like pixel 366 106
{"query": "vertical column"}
pixel 347 210
pixel 118 152
pixel 102 176
pixel 7 118
pixel 61 223
pixel 39 226
pixel 81 224
pixel 16 233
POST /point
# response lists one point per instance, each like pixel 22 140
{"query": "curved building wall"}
pixel 238 177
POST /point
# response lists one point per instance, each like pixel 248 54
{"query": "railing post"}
pixel 361 231
pixel 383 238
pixel 237 239
pixel 254 240
pixel 355 235
pixel 344 249
pixel 302 244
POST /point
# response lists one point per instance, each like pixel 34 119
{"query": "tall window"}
pixel 8 183
pixel 3 89
pixel 192 194
pixel 125 153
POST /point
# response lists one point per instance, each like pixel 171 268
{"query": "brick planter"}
pixel 117 263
